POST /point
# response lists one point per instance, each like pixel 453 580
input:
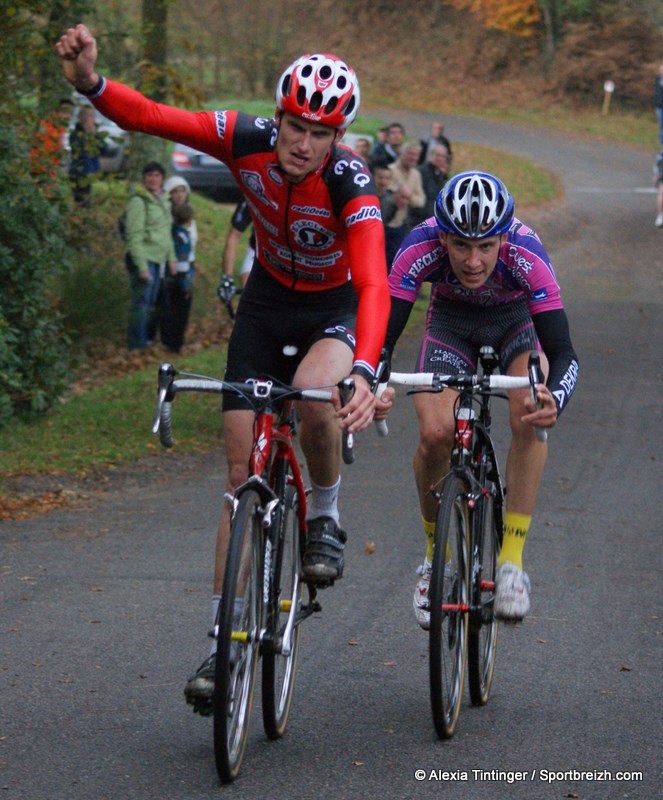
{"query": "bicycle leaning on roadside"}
pixel 468 536
pixel 263 601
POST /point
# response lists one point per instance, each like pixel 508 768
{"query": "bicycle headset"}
pixel 320 88
pixel 474 205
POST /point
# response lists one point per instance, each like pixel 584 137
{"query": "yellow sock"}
pixel 515 533
pixel 429 530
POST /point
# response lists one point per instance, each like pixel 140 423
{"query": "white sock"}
pixel 216 599
pixel 323 501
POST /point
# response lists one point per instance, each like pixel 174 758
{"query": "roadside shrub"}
pixel 33 350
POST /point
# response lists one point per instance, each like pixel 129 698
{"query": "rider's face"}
pixel 302 146
pixel 472 260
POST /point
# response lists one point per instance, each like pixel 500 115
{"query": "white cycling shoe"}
pixel 420 600
pixel 512 588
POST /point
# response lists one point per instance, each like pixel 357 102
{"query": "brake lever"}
pixel 534 370
pixel 346 389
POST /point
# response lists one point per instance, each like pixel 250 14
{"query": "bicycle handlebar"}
pixel 437 381
pixel 260 391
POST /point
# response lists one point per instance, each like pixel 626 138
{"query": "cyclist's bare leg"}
pixel 527 456
pixel 524 469
pixel 436 433
pixel 238 438
pixel 326 363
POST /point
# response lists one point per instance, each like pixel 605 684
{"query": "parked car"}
pixel 205 174
pixel 114 158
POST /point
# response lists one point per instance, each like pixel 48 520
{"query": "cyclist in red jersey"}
pixel 316 305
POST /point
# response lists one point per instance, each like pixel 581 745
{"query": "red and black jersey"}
pixel 313 235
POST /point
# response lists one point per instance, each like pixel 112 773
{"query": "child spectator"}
pixel 179 284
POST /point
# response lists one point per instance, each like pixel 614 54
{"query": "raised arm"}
pixel 77 50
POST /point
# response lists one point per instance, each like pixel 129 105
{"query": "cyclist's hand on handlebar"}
pixel 543 413
pixel 384 403
pixel 226 290
pixel 357 413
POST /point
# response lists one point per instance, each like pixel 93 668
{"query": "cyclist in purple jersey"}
pixel 492 284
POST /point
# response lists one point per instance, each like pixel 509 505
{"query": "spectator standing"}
pixel 434 174
pixel 149 253
pixel 658 102
pixel 362 147
pixel 393 236
pixel 436 137
pixel 176 292
pixel 385 153
pixel 406 176
pixel 86 145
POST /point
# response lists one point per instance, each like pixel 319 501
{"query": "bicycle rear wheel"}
pixel 239 625
pixel 448 595
pixel 482 640
pixel 279 661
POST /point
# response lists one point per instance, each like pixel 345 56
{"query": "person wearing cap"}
pixel 177 293
pixel 149 253
pixel 318 286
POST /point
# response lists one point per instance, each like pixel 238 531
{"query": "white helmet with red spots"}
pixel 320 88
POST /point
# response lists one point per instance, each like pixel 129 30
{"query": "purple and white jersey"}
pixel 523 270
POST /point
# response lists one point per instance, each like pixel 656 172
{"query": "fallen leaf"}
pixel 391 663
pixel 625 668
pixel 369 548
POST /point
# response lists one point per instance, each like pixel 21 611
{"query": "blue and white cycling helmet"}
pixel 474 205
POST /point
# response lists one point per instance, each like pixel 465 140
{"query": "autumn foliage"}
pixel 519 17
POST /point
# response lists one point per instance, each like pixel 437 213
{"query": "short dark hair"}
pixel 154 166
pixel 182 213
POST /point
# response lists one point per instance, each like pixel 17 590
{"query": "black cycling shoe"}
pixel 322 561
pixel 199 689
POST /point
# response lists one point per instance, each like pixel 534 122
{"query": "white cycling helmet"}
pixel 320 88
pixel 474 205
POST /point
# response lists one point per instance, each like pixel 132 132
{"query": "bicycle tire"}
pixel 449 602
pixel 483 629
pixel 279 668
pixel 238 637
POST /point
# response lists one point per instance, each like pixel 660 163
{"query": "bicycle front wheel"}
pixel 482 642
pixel 279 661
pixel 239 624
pixel 448 596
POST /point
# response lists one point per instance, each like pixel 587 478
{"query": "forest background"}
pixel 64 296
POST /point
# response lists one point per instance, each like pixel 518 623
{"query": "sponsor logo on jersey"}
pixel 367 212
pixel 424 261
pixel 286 269
pixel 310 261
pixel 408 282
pixel 312 235
pixel 518 262
pixel 253 182
pixel 539 294
pixel 313 211
pixel 361 178
pixel 275 176
pixel 255 213
pixel 220 118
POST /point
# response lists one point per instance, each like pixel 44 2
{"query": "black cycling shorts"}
pixel 275 327
pixel 455 332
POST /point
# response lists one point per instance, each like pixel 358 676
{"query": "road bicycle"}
pixel 468 536
pixel 263 602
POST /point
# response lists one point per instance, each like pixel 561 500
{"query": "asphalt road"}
pixel 104 608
